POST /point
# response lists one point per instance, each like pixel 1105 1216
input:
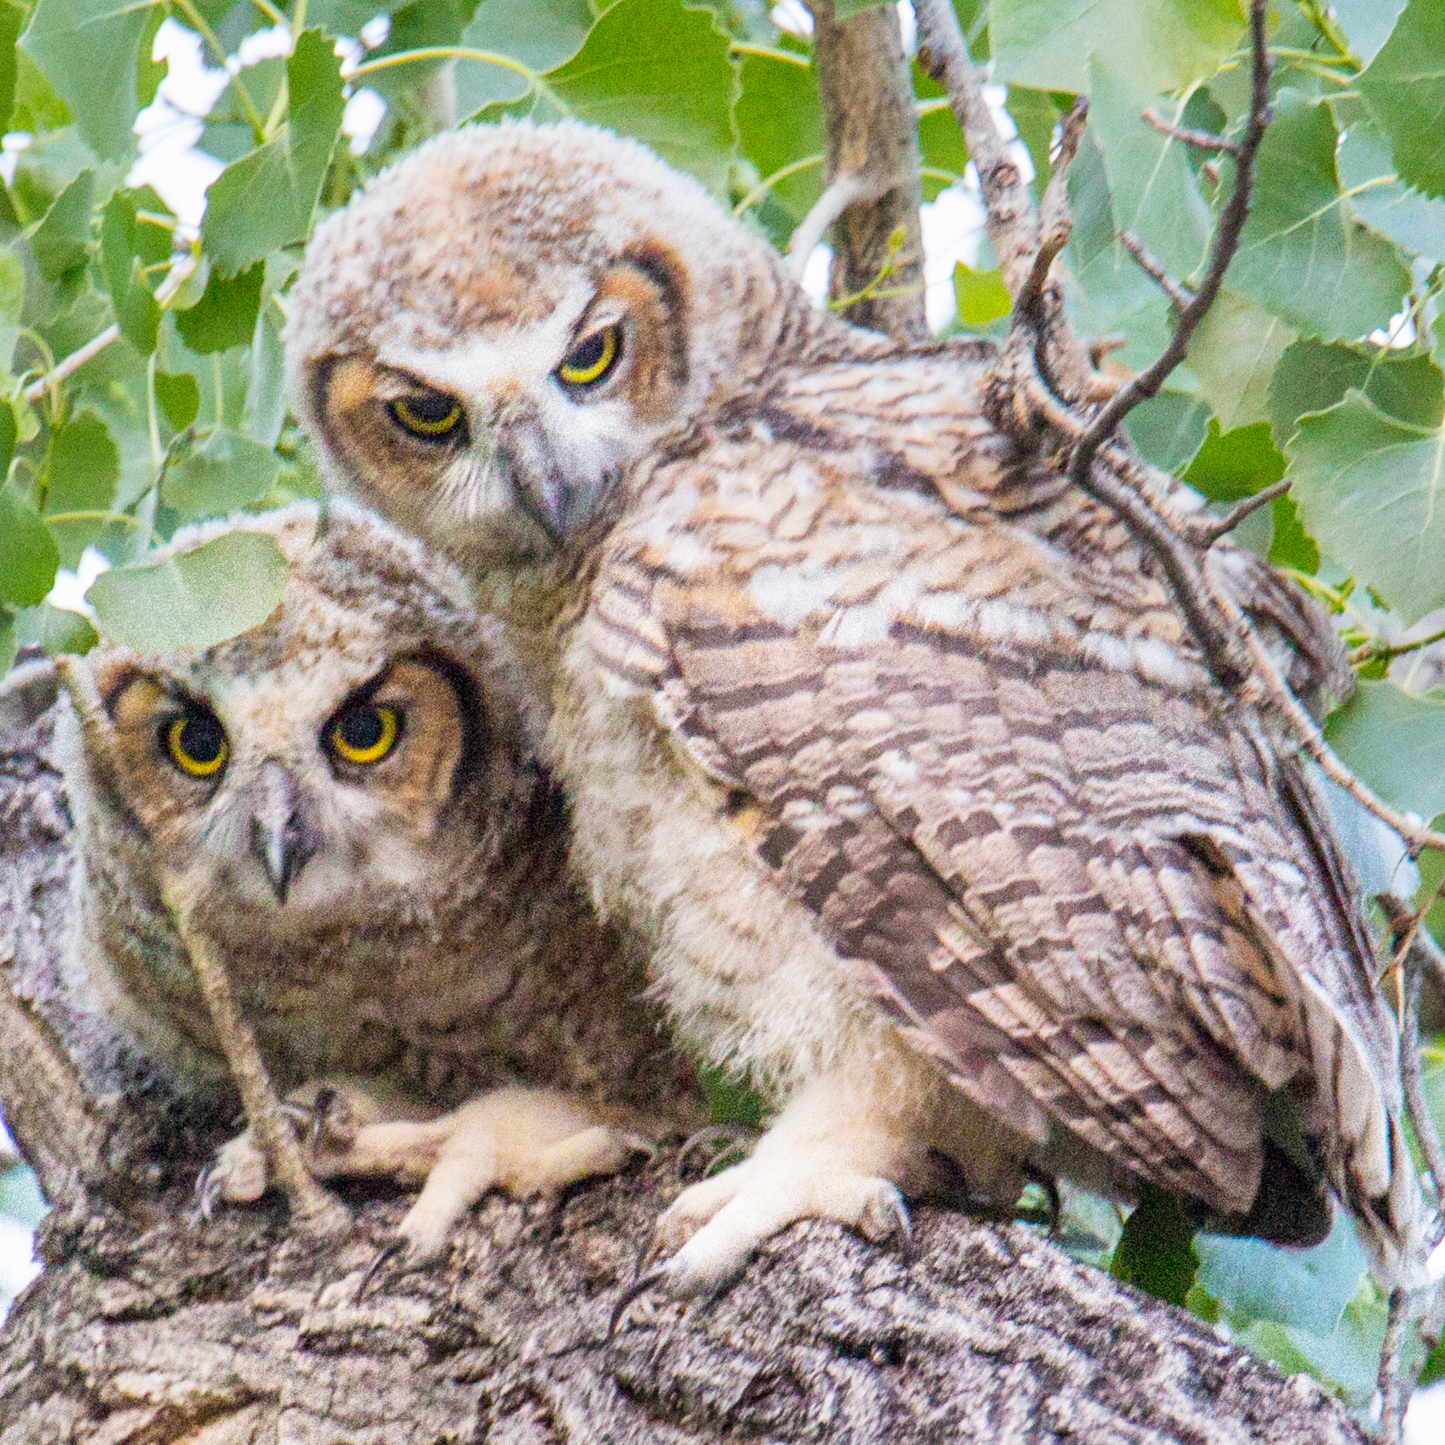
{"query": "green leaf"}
pixel 1235 464
pixel 1234 354
pixel 8 641
pixel 1371 489
pixel 1304 257
pixel 194 599
pixel 541 34
pixel 12 290
pixel 662 73
pixel 1405 87
pixel 60 239
pixel 1382 200
pixel 225 316
pixel 1308 1288
pixel 89 51
pixel 1169 429
pixel 54 630
pixel 779 124
pixel 225 472
pixel 117 243
pixel 981 296
pixel 178 397
pixel 1169 43
pixel 1036 115
pixel 1155 1250
pixel 264 201
pixel 1150 180
pixel 12 20
pixel 730 1100
pixel 139 314
pixel 842 9
pixel 1292 545
pixel 28 555
pixel 421 25
pixel 1396 743
pixel 84 466
pixel 1367 24
pixel 940 142
pixel 1313 376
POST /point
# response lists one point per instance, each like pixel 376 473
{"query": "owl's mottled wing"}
pixel 1021 811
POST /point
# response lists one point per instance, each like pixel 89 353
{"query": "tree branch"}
pixel 147 1331
pixel 867 99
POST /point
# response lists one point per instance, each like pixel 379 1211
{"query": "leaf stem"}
pixel 764 186
pixel 1376 651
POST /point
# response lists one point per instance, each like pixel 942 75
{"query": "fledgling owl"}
pixel 897 749
pixel 346 800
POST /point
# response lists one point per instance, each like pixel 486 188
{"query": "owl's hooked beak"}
pixel 280 838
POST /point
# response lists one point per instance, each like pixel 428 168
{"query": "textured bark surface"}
pixel 146 1328
pixel 867 100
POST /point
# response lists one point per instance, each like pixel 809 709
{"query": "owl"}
pixel 896 750
pixel 347 802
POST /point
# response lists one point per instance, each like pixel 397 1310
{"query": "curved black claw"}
pixel 631 1295
pixel 1050 1186
pixel 389 1250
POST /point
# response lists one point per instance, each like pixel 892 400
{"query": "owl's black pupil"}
pixel 202 738
pixel 586 356
pixel 361 728
pixel 432 407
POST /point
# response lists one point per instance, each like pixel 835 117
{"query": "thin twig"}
pixel 1010 220
pixel 72 363
pixel 311 1205
pixel 1247 508
pixel 843 192
pixel 1392 1397
pixel 1221 253
pixel 1055 222
pixel 1200 140
pixel 1153 268
pixel 1376 651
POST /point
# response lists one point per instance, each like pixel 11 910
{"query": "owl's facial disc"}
pixel 325 808
pixel 516 434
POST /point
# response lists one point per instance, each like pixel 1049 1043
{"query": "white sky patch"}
pixel 1425 1419
pixel 814 279
pixel 70 588
pixel 272 44
pixel 792 16
pixel 11 144
pixel 375 31
pixel 362 118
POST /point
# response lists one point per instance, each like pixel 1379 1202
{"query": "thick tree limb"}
pixel 145 1330
pixel 867 100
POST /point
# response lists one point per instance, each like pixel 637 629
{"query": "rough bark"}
pixel 867 101
pixel 146 1329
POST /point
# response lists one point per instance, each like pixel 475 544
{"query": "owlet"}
pixel 896 749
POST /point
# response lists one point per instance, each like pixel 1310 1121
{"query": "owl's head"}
pixel 497 328
pixel 346 760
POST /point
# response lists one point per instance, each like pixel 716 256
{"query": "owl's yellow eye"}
pixel 365 732
pixel 431 415
pixel 196 743
pixel 592 358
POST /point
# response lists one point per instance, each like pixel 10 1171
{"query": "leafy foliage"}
pixel 141 380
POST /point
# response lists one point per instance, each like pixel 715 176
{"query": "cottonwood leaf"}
pixel 12 20
pixel 264 200
pixel 60 239
pixel 780 123
pixel 1169 43
pixel 179 397
pixel 1304 256
pixel 1152 185
pixel 1155 1250
pixel 1371 489
pixel 1170 428
pixel 194 599
pixel 1405 87
pixel 223 473
pixel 225 316
pixel 54 630
pixel 28 555
pixel 1234 354
pixel 1313 375
pixel 539 34
pixel 89 51
pixel 980 296
pixel 1382 200
pixel 1395 742
pixel 659 72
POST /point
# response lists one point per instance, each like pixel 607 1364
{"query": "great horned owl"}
pixel 897 748
pixel 346 801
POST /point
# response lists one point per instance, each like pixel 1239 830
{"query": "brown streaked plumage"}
pixel 357 819
pixel 896 748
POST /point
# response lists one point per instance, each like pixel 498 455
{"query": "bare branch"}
pixel 1011 222
pixel 866 94
pixel 72 363
pixel 1153 268
pixel 1221 253
pixel 312 1207
pixel 1200 140
pixel 1392 1397
pixel 1055 222
pixel 1237 513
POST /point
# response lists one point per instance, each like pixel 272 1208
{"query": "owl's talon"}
pixel 631 1295
pixel 388 1251
pixel 733 1138
pixel 207 1192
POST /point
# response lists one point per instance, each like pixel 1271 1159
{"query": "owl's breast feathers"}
pixel 1076 872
